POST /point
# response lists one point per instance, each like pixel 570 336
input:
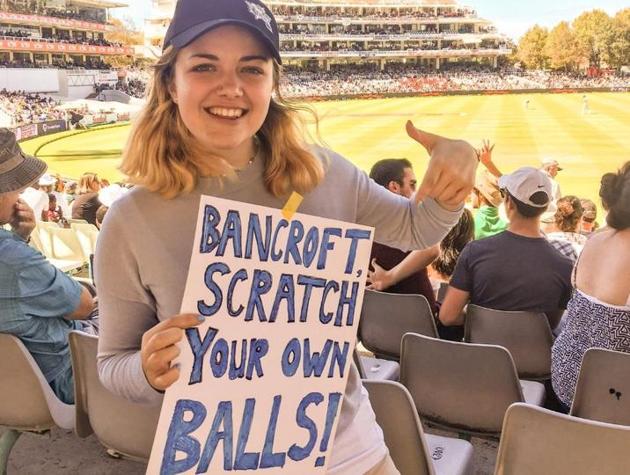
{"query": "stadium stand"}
pixel 327 34
pixel 43 34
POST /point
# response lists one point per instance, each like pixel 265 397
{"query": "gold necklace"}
pixel 251 160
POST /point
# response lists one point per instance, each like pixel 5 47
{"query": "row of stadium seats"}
pixel 533 440
pixel 69 249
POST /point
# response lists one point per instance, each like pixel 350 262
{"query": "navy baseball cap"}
pixel 193 18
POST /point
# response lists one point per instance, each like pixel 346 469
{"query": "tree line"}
pixel 593 39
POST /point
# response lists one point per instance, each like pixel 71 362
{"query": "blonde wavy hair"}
pixel 88 183
pixel 162 155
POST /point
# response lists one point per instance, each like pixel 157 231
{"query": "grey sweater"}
pixel 142 262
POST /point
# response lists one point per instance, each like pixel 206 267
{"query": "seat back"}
pixel 123 426
pixel 602 392
pixel 537 440
pixel 43 239
pixel 385 318
pixel 397 416
pixel 66 245
pixel 87 234
pixel 462 386
pixel 526 335
pixel 26 395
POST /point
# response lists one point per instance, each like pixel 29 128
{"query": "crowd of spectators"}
pixel 368 13
pixel 35 8
pixel 335 29
pixel 134 87
pixel 359 80
pixel 79 40
pixel 25 108
pixel 364 79
pixel 15 33
pixel 90 63
pixel 76 40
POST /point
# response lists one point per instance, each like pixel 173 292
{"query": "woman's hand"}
pixel 159 348
pixel 450 176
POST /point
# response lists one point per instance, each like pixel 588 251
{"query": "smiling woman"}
pixel 215 108
pixel 211 110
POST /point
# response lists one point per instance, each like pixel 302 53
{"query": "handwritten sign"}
pixel 262 379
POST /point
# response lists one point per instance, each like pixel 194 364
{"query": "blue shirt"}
pixel 34 298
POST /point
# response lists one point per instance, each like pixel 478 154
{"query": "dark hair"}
pixel 589 209
pixel 100 213
pixel 453 244
pixel 528 211
pixel 615 195
pixel 568 214
pixel 52 197
pixel 389 169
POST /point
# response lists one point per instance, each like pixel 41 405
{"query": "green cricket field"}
pixel 364 131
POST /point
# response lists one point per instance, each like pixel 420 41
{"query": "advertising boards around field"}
pixel 262 378
pixel 25 132
pixel 51 127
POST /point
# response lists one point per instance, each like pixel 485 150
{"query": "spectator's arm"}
pixel 451 311
pixel 485 157
pixel 381 279
pixel 85 307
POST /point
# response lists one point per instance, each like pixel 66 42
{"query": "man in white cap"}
pixel 517 269
pixel 40 304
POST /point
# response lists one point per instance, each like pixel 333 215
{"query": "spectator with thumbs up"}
pixel 215 123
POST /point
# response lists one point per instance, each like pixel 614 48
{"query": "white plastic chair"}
pixel 376 369
pixel 385 318
pixel 463 386
pixel 67 253
pixel 124 428
pixel 413 451
pixel 28 402
pixel 87 234
pixel 526 335
pixel 536 440
pixel 602 392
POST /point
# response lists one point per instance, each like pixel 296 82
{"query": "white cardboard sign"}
pixel 262 379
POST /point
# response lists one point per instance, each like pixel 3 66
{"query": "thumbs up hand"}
pixel 452 168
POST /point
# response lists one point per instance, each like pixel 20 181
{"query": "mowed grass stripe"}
pixel 367 130
pixel 584 128
pixel 518 130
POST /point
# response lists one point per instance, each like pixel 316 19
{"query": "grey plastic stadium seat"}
pixel 28 403
pixel 463 386
pixel 526 335
pixel 376 369
pixel 385 318
pixel 602 392
pixel 414 452
pixel 123 427
pixel 540 441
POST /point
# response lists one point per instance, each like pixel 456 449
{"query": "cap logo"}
pixel 260 14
